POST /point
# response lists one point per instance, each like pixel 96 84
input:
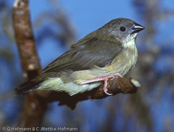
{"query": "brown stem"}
pixel 34 109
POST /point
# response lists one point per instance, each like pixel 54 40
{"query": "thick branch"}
pixel 25 40
pixel 33 108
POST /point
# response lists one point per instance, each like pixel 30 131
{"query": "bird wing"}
pixel 85 56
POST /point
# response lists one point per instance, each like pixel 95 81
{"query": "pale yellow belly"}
pixel 121 64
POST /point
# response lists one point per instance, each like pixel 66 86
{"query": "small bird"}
pixel 108 52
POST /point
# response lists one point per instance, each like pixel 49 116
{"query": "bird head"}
pixel 121 29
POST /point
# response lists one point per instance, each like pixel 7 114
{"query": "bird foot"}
pixel 103 78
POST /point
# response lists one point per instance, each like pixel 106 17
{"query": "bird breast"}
pixel 125 61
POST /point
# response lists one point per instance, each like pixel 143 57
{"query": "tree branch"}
pixel 118 85
pixel 34 109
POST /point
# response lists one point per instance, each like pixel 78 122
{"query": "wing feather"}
pixel 84 56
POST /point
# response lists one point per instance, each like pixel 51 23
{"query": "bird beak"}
pixel 137 28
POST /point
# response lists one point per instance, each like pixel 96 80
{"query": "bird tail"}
pixel 26 87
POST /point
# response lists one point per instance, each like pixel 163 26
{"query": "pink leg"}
pixel 103 78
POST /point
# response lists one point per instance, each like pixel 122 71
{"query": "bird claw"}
pixel 105 90
pixel 105 79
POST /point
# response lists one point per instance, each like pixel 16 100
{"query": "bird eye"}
pixel 122 29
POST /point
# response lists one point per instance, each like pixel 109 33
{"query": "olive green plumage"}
pixel 109 49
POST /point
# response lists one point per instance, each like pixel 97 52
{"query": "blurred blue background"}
pixel 150 109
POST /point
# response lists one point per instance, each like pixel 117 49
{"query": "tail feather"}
pixel 26 87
